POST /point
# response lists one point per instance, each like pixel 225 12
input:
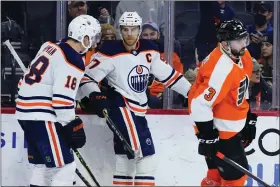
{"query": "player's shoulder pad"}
pixel 72 57
pixel 112 47
pixel 146 45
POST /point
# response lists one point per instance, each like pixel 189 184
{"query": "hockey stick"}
pixel 20 63
pixel 118 133
pixel 240 168
pixel 15 55
pixel 83 178
pixel 83 162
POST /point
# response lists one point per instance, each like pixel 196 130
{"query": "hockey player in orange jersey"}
pixel 219 108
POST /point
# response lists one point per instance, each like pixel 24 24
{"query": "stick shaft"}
pixel 83 162
pixel 83 178
pixel 240 168
pixel 15 55
pixel 117 132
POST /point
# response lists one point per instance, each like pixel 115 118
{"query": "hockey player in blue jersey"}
pixel 126 64
pixel 45 105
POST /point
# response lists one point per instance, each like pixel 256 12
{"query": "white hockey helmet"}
pixel 85 25
pixel 130 19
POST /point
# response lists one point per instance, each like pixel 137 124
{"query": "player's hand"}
pixel 208 143
pixel 84 104
pixel 74 134
pixel 249 131
pixel 98 102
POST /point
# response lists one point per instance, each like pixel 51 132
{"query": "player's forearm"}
pixel 202 116
pixel 85 89
pixel 182 86
pixel 201 111
pixel 65 116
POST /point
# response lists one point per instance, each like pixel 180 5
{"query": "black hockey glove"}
pixel 249 131
pixel 74 134
pixel 208 139
pixel 98 102
pixel 84 104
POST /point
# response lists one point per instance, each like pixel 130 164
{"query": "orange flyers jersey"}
pixel 219 92
pixel 48 89
pixel 128 72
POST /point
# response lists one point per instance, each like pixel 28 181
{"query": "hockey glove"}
pixel 98 102
pixel 74 134
pixel 208 139
pixel 84 104
pixel 249 131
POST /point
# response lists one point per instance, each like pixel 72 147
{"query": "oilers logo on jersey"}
pixel 138 78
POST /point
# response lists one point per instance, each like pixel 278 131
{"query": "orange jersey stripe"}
pixel 54 143
pixel 85 79
pixel 144 183
pixel 130 128
pixel 34 104
pixel 61 102
pixel 226 134
pixel 122 183
pixel 141 110
pixel 173 79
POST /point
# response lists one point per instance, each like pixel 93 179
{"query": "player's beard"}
pixel 130 42
pixel 237 53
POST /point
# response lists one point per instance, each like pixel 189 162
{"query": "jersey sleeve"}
pixel 86 87
pixel 100 66
pixel 211 89
pixel 66 83
pixel 169 77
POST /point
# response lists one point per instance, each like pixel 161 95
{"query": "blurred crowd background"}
pixel 185 32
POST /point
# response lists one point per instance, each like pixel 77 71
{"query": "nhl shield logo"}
pixel 148 141
pixel 138 78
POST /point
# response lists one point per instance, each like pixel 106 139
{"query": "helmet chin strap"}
pixel 86 48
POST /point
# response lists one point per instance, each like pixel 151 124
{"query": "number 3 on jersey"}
pixel 210 95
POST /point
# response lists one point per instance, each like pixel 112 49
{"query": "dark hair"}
pixel 263 7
